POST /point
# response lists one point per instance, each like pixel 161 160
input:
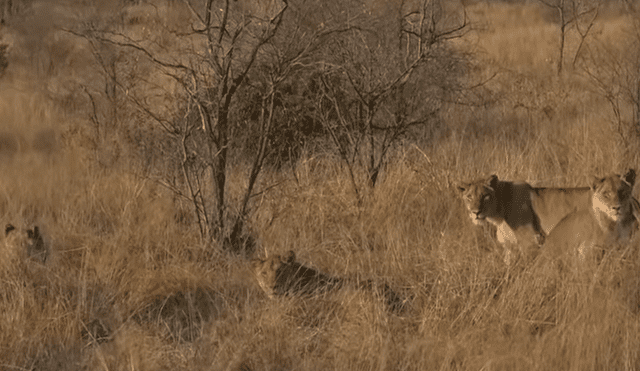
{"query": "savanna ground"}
pixel 130 284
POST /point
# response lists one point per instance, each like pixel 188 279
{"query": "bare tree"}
pixel 572 13
pixel 369 73
pixel 215 47
pixel 387 75
pixel 614 72
pixel 227 74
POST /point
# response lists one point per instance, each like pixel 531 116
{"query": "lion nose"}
pixel 616 209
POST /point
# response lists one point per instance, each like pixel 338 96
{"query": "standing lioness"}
pixel 507 205
pixel 609 218
pixel 518 204
pixel 520 212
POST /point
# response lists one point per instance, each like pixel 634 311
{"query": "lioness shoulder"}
pixel 609 218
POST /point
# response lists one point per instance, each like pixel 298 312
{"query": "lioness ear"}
pixel 630 177
pixel 462 186
pixel 493 181
pixel 8 228
pixel 596 182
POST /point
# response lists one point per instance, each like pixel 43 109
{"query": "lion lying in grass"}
pixel 283 275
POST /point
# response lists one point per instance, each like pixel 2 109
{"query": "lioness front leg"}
pixel 540 238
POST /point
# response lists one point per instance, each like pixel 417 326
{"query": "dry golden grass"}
pixel 128 285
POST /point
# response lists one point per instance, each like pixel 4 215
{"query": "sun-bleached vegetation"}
pixel 158 146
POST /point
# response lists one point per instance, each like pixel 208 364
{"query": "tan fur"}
pixel 11 144
pixel 283 275
pixel 553 204
pixel 609 219
pixel 45 142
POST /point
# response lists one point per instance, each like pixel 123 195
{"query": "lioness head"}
pixel 266 270
pixel 31 240
pixel 480 198
pixel 612 194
